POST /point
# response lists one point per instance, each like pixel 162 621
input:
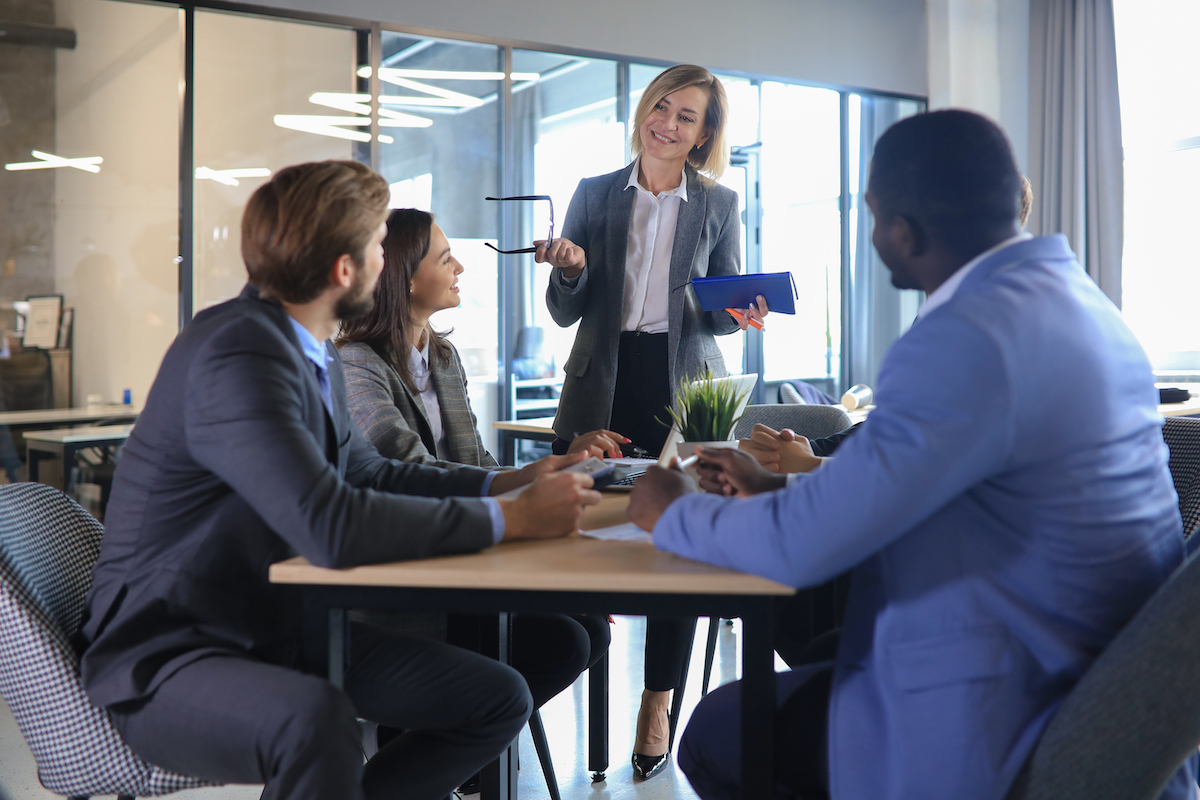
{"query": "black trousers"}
pixel 228 718
pixel 710 749
pixel 642 393
pixel 549 650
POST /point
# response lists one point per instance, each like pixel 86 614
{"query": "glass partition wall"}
pixel 152 124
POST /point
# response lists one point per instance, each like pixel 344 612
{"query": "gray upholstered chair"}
pixel 1134 717
pixel 1182 435
pixel 48 545
pixel 811 421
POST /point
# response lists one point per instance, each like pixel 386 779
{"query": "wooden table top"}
pixel 574 563
pixel 538 425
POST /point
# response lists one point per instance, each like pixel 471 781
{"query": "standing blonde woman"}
pixel 632 241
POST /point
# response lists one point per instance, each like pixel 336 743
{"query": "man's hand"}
pixel 510 479
pixel 601 444
pixel 780 451
pixel 550 507
pixel 656 490
pixel 728 472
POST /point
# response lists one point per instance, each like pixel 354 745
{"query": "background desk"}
pixel 571 575
pixel 68 416
pixel 66 444
pixel 509 431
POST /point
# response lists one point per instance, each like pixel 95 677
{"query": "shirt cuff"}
pixel 497 515
pixel 567 283
pixel 487 484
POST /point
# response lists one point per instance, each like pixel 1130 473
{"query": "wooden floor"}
pixel 564 718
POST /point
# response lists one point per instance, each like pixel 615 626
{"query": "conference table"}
pixel 66 443
pixel 69 416
pixel 575 574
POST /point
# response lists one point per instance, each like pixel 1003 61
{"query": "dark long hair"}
pixel 386 328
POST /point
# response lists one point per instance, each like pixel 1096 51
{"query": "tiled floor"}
pixel 564 718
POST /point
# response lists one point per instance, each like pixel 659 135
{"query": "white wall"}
pixel 874 44
pixel 116 231
pixel 978 58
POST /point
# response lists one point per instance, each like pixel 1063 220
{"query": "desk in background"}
pixel 1187 408
pixel 509 431
pixel 66 443
pixel 69 416
pixel 571 575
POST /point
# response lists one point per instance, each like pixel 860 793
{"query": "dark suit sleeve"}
pixel 726 259
pixel 566 303
pixel 245 422
pixel 829 444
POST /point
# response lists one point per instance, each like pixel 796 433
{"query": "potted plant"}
pixel 705 412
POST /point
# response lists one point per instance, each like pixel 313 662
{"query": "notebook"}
pixel 739 291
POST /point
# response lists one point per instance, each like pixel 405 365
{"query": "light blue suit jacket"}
pixel 1006 509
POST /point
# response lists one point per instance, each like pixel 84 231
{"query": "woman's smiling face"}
pixel 435 283
pixel 675 125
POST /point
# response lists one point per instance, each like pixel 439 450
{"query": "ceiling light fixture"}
pixel 445 74
pixel 358 104
pixel 229 177
pixel 51 161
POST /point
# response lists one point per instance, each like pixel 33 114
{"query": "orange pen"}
pixel 739 316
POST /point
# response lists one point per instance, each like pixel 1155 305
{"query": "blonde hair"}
pixel 713 156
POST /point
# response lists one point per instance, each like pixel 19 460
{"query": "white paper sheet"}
pixel 627 532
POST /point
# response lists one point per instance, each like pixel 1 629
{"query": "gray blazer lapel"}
pixel 619 210
pixel 424 429
pixel 688 226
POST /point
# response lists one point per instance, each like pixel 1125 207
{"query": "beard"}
pixel 357 301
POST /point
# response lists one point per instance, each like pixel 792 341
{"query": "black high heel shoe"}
pixel 646 767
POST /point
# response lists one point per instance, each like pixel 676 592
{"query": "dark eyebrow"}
pixel 445 253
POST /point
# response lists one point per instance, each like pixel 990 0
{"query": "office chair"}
pixel 48 545
pixel 26 382
pixel 1134 717
pixel 1182 435
pixel 810 421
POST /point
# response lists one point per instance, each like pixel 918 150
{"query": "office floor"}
pixel 564 718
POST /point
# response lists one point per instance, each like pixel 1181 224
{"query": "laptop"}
pixel 634 468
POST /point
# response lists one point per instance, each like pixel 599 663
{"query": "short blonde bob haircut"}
pixel 713 156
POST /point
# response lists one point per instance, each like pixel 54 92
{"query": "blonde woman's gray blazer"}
pixel 394 419
pixel 707 242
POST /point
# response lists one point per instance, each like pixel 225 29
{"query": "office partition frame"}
pixel 507 288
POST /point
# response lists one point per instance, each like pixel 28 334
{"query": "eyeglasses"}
pixel 549 236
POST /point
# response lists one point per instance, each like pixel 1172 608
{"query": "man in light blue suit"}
pixel 1005 509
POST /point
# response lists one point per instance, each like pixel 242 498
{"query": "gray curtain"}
pixel 1075 155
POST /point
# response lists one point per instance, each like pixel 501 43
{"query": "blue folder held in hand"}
pixel 739 291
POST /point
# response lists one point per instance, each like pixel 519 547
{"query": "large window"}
pixel 154 129
pixel 89 206
pixel 1159 68
pixel 269 93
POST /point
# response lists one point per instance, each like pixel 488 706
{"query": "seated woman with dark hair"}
pixel 407 392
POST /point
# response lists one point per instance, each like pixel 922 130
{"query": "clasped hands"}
pixel 759 465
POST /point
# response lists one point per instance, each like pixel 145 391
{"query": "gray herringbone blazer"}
pixel 707 242
pixel 394 419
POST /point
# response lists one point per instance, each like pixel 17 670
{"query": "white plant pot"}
pixel 685 449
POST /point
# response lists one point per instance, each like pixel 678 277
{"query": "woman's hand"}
pixel 757 312
pixel 561 254
pixel 601 444
pixel 780 451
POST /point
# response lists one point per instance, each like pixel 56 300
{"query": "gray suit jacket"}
pixel 394 419
pixel 706 243
pixel 236 464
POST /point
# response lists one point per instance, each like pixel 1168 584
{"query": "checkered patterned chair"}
pixel 48 545
pixel 1182 435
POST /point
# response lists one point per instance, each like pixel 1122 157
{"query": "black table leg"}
pixel 598 719
pixel 758 703
pixel 498 780
pixel 68 466
pixel 33 458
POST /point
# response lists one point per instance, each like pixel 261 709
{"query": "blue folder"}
pixel 739 291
